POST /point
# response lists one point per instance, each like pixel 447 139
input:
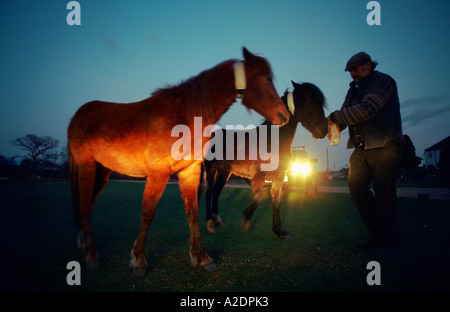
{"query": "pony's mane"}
pixel 194 92
pixel 258 62
pixel 186 85
pixel 312 91
pixel 262 63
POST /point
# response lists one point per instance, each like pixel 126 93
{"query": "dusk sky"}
pixel 124 50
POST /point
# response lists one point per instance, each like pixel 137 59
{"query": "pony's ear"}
pixel 247 55
pixel 294 84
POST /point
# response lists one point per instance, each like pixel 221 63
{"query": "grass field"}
pixel 38 239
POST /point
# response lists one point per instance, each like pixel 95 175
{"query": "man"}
pixel 371 111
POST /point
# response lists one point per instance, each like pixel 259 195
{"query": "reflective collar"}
pixel 290 102
pixel 240 82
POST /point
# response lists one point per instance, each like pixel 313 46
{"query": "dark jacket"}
pixel 372 109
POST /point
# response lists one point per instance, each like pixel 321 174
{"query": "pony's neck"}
pixel 222 90
pixel 287 133
pixel 208 95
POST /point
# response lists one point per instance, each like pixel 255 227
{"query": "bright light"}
pixel 270 181
pixel 303 168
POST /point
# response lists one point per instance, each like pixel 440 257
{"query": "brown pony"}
pixel 135 139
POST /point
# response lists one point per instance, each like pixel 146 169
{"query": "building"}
pixel 432 154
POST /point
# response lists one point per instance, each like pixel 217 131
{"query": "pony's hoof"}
pixel 139 271
pixel 217 220
pixel 210 267
pixel 92 265
pixel 210 226
pixel 245 225
pixel 282 234
pixel 139 265
pixel 92 261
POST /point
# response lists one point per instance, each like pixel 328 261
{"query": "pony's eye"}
pixel 270 79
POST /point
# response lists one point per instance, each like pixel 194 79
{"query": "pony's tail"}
pixel 74 188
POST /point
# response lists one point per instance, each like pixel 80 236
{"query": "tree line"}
pixel 43 160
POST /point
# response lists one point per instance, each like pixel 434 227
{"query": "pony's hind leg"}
pixel 257 187
pixel 101 179
pixel 275 193
pixel 188 183
pixel 86 184
pixel 154 188
pixel 222 178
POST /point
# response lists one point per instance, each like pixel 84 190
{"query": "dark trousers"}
pixel 381 167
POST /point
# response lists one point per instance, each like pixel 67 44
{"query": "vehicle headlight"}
pixel 301 168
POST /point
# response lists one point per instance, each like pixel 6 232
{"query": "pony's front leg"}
pixel 188 182
pixel 257 187
pixel 154 188
pixel 211 170
pixel 213 218
pixel 275 193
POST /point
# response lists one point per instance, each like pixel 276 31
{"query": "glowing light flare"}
pixel 301 168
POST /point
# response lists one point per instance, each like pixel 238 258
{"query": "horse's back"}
pixel 127 138
pixel 100 113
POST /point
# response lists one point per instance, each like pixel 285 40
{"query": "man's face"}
pixel 360 71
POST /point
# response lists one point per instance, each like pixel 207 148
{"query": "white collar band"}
pixel 239 79
pixel 290 102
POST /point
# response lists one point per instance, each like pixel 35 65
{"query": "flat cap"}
pixel 357 59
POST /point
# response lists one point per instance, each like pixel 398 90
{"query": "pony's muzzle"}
pixel 283 119
pixel 320 132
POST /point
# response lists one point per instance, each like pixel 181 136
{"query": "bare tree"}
pixel 39 149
